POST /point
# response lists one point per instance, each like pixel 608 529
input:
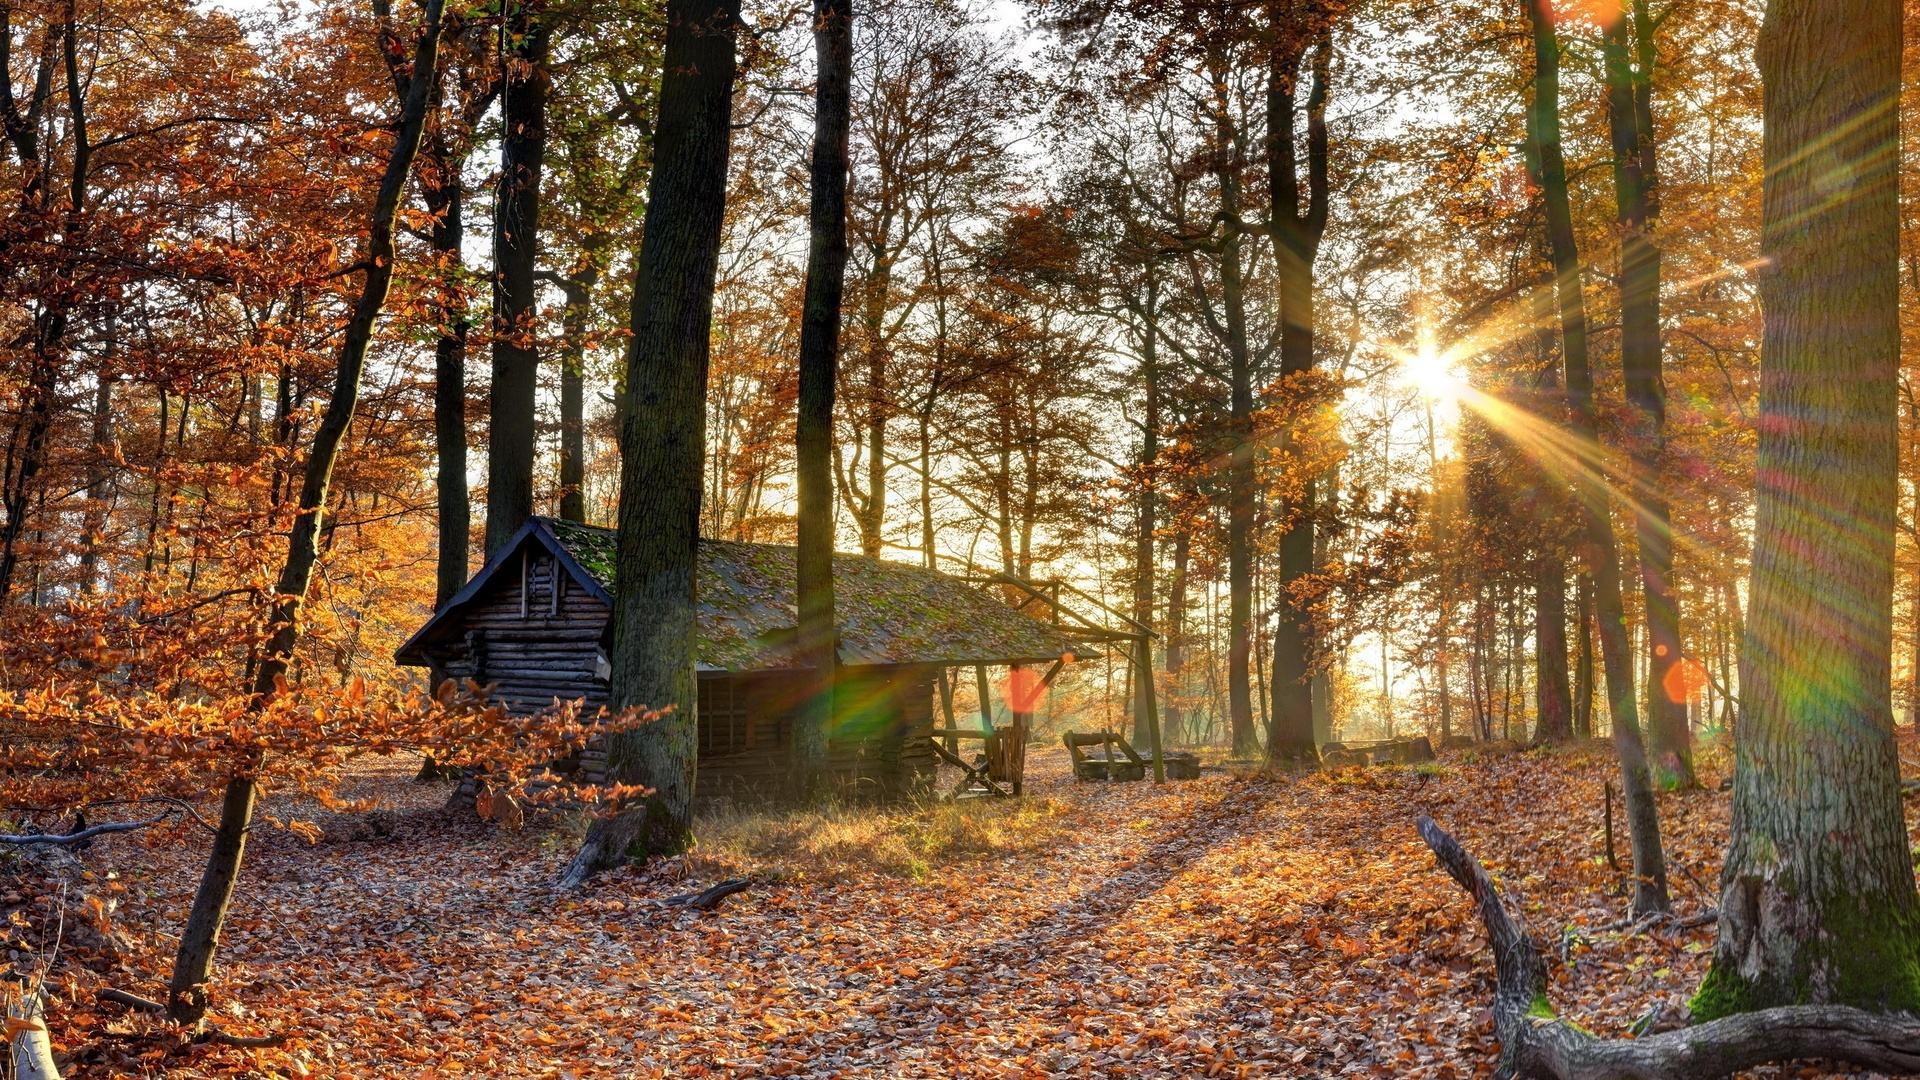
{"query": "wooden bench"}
pixel 1129 765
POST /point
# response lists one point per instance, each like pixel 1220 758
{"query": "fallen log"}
pixel 1536 1044
pixel 31 1048
pixel 708 899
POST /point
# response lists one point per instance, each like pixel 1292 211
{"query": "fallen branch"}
pixel 709 899
pixel 212 1034
pixel 81 835
pixel 130 1000
pixel 1536 1043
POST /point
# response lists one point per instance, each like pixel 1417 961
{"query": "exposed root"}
pixel 1536 1043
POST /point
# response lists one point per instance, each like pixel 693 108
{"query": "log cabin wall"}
pixel 535 644
pixel 878 747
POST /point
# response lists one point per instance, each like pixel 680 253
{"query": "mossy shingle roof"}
pixel 889 612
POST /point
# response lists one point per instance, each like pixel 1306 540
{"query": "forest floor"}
pixel 1235 925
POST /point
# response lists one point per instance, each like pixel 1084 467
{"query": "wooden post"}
pixel 986 698
pixel 946 710
pixel 1143 663
pixel 1016 704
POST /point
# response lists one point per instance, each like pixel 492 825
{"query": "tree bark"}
pixel 1590 482
pixel 663 440
pixel 511 421
pixel 199 940
pixel 819 368
pixel 98 481
pixel 445 196
pixel 1629 58
pixel 577 322
pixel 1583 657
pixel 1147 508
pixel 1296 232
pixel 1174 714
pixel 1817 898
pixel 1553 698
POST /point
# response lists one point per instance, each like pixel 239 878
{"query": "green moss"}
pixel 1542 1009
pixel 1722 993
pixel 1869 957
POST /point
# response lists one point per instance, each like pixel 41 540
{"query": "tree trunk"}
pixel 1817 902
pixel 1296 232
pixel 1629 59
pixel 1553 697
pixel 1601 557
pixel 445 196
pixel 512 424
pixel 1583 657
pixel 662 440
pixel 99 478
pixel 1146 509
pixel 1176 654
pixel 873 510
pixel 1240 502
pixel 819 364
pixel 193 962
pixel 577 322
pixel 1320 686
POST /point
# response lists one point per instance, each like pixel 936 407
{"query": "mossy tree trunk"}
pixel 1817 899
pixel 663 440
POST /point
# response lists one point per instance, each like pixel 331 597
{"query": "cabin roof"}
pixel 889 612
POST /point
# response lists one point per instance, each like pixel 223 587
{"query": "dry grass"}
pixel 838 841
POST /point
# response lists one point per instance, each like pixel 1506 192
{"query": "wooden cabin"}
pixel 534 624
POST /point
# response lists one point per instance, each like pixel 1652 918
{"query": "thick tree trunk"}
pixel 663 437
pixel 511 417
pixel 1629 59
pixel 1296 231
pixel 1590 483
pixel 819 367
pixel 193 962
pixel 1817 902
